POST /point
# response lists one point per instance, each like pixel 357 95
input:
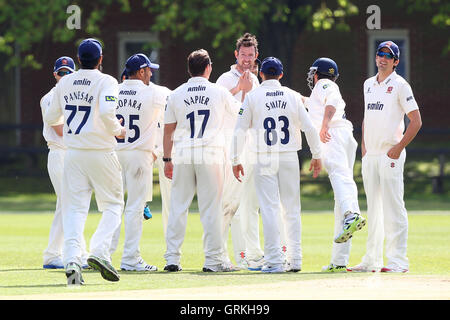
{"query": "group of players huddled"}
pixel 234 143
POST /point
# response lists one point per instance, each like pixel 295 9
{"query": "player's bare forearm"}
pixel 327 116
pixel 235 90
pixel 410 133
pixel 169 129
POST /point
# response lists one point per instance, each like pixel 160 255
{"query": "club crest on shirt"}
pixel 325 86
pixel 392 164
pixel 389 89
pixel 241 111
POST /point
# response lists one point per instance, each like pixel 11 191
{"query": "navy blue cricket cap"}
pixel 391 46
pixel 139 61
pixel 89 49
pixel 272 66
pixel 64 63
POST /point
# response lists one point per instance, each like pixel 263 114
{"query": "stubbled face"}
pixel 245 57
pixel 385 64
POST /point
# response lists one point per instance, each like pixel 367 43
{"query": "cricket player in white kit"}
pixel 55 166
pixel 387 99
pixel 85 102
pixel 194 121
pixel 327 111
pixel 276 114
pixel 241 208
pixel 139 105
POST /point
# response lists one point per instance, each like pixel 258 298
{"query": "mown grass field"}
pixel 24 237
pixel 26 212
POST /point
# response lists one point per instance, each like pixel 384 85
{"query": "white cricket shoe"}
pixel 294 266
pixel 73 274
pixel 361 268
pixel 140 266
pixel 224 267
pixel 277 268
pixel 255 265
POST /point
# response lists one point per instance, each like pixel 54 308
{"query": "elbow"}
pixel 419 123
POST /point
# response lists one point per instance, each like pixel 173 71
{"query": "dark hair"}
pixel 247 40
pixel 132 73
pixel 89 64
pixel 271 76
pixel 197 62
pixel 325 76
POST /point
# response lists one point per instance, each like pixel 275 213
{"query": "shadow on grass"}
pixel 15 270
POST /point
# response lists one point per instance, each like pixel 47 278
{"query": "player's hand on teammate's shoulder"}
pixel 316 167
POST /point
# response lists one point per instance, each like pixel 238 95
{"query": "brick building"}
pixel 422 63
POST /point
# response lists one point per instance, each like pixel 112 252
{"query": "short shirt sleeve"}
pixel 406 99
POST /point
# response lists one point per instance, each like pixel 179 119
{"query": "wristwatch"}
pixel 167 159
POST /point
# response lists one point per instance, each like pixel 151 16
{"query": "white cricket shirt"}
pixel 53 140
pixel 231 78
pixel 160 127
pixel 326 93
pixel 198 107
pixel 85 101
pixel 140 107
pixel 275 115
pixel 385 105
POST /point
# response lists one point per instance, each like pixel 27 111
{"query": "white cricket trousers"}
pixel 137 171
pixel 86 171
pixel 338 160
pixel 277 180
pixel 201 170
pixel 232 193
pixel 55 167
pixel 387 218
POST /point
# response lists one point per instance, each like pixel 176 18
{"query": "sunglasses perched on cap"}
pixel 63 73
pixel 388 55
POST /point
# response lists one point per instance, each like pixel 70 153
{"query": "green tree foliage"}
pixel 24 23
pixel 276 23
pixel 440 10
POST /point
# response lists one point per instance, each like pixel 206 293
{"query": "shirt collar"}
pixel 271 83
pixel 133 82
pixel 197 79
pixel 386 81
pixel 235 71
